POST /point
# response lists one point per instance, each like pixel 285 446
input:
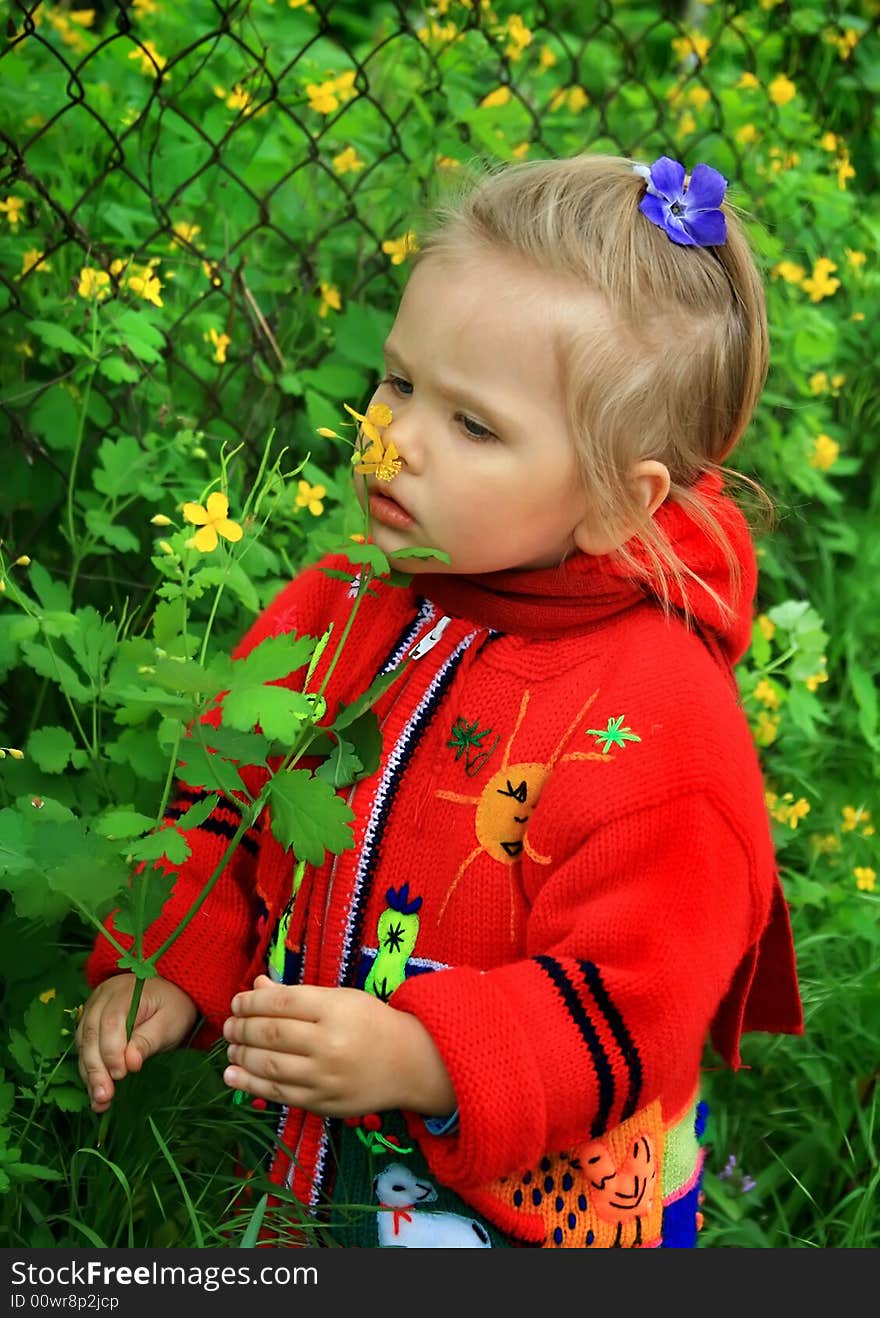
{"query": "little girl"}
pixel 485 1022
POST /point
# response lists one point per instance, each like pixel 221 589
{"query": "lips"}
pixel 388 512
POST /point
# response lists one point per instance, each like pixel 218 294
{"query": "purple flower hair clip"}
pixel 688 213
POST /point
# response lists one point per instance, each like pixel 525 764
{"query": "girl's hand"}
pixel 336 1051
pixel 165 1016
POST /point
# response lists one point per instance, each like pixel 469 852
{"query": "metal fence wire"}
pixel 245 172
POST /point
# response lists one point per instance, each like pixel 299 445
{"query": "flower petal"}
pixel 707 228
pixel 228 529
pixel 205 539
pixel 380 414
pixel 706 188
pixel 218 506
pixel 195 514
pixel 667 177
pixel 655 209
pixel 353 412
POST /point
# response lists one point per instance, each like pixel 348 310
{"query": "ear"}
pixel 651 482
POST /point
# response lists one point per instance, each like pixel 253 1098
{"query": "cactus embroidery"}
pixel 468 737
pixel 396 933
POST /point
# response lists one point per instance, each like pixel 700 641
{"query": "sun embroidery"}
pixel 505 805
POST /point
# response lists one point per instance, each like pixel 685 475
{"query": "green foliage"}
pixel 232 276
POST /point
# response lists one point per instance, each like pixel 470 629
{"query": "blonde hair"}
pixel 680 373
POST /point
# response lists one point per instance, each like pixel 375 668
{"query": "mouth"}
pixel 386 510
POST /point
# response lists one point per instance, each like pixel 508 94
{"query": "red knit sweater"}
pixel 570 792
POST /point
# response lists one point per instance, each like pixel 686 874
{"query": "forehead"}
pixel 490 314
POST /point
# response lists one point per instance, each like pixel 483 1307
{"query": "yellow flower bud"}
pixel 22 561
pixel 165 547
pixel 16 754
pixel 160 520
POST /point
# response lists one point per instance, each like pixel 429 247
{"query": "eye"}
pixel 474 430
pixel 399 385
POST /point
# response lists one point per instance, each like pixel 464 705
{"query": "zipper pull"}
pixel 430 639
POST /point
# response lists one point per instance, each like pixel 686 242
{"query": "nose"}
pixel 406 433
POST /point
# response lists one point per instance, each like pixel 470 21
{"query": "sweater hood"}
pixel 588 589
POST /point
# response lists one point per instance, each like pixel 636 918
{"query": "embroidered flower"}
pixel 689 212
pixel 614 735
pixel 212 521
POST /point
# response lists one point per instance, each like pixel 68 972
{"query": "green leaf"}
pixel 366 738
pixel 865 691
pixel 139 335
pixel 51 748
pixel 167 842
pixel 7 1097
pixel 78 864
pixel 246 748
pixel 369 554
pixel 360 333
pixel 141 969
pixel 201 769
pixel 43 1023
pixel 118 370
pixel 122 823
pixel 120 461
pixel 69 1098
pixel 53 595
pixel 144 899
pixel 20 1051
pixel 56 418
pixel 342 766
pixel 56 336
pixel 309 817
pixel 47 664
pixel 421 551
pixel 15 854
pixel 377 688
pixel 196 815
pixel 187 676
pixel 278 710
pixel 102 527
pixel 760 646
pixel 168 622
pixel 93 644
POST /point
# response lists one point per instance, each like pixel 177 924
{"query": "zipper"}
pixel 430 639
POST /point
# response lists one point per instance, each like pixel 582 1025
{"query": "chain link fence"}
pixel 245 172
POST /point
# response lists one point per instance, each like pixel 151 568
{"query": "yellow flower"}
pixel 790 271
pixel 448 162
pixel 297 4
pixel 845 42
pixel 399 248
pixel 857 315
pixel 186 232
pixel 748 133
pixel 377 459
pixel 144 7
pixel 348 161
pixel 212 521
pixel 865 878
pixel 694 44
pixel 547 59
pixel 379 414
pixel 13 207
pixel 781 90
pixel 767 694
pixel 330 299
pixel 151 62
pixel 844 170
pixel 815 680
pixel 520 37
pixel 93 283
pixel 521 150
pixel 819 383
pixel 687 124
pixel 322 97
pixel 500 96
pixel 853 817
pixel 438 33
pixel 310 497
pixel 50 993
pixel 825 452
pixel 856 259
pixel 147 285
pixel 85 17
pixel 785 809
pixel 824 843
pixel 820 284
pixel 766 728
pixel 221 342
pixel 577 99
pixel 767 626
pixel 747 82
pixel 799 810
pixel 33 260
pixel 698 96
pixel 828 142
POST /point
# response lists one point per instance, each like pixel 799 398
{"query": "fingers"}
pixel 292 1002
pixel 275 1033
pixel 101 1040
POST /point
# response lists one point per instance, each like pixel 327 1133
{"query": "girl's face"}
pixel 489 470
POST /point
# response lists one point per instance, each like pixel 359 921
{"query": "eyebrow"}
pixel 498 420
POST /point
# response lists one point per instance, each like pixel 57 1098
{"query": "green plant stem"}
pixel 362 590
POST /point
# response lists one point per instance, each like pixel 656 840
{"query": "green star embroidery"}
pixel 613 735
pixel 465 736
